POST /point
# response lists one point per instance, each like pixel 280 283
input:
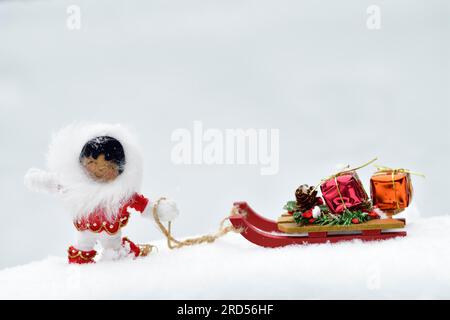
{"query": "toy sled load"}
pixel 272 234
pixel 343 212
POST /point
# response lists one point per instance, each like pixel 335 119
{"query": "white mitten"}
pixel 42 181
pixel 167 210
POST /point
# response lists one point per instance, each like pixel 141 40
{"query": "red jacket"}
pixel 97 221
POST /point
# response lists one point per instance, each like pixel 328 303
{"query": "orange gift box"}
pixel 391 190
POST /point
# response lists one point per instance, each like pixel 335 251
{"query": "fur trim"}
pixel 82 194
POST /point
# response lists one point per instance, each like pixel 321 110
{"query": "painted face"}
pixel 100 169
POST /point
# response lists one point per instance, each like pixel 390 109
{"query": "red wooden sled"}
pixel 266 233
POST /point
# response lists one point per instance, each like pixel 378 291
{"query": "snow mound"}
pixel 232 268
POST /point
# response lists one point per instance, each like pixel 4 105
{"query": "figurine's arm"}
pixel 167 209
pixel 42 181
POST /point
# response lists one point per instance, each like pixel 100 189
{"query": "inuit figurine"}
pixel 96 169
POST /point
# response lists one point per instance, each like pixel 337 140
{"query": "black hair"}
pixel 110 147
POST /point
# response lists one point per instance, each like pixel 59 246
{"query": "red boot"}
pixel 81 257
pixel 134 249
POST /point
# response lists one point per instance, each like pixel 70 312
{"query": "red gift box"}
pixel 344 191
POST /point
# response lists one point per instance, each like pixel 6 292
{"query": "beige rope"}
pixel 173 243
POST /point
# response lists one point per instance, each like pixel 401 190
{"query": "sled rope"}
pixel 173 243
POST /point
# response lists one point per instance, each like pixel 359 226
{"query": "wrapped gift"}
pixel 391 189
pixel 344 191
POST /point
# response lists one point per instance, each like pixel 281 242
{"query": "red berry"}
pixel 373 214
pixel 291 212
pixel 307 214
pixel 311 220
pixel 319 201
pixel 355 221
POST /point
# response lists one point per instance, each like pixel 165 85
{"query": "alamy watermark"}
pixel 227 147
pixel 73 21
pixel 373 281
pixel 373 21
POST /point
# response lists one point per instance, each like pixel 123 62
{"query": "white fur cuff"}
pixel 41 181
pixel 167 210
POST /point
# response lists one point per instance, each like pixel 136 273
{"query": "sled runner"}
pixel 272 234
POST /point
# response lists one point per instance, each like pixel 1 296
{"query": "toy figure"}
pixel 97 170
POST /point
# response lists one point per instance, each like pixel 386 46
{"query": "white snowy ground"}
pixel 417 266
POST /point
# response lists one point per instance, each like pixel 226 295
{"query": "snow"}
pixel 232 268
pixel 309 68
pixel 338 93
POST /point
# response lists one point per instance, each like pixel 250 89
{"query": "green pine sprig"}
pixel 325 218
pixel 291 206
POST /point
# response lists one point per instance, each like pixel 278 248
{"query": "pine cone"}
pixel 306 197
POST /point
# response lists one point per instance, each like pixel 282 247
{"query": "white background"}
pixel 338 92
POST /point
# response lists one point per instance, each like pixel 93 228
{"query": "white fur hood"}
pixel 79 192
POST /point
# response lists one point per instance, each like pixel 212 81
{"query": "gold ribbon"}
pixel 393 171
pixel 340 194
pixel 384 169
pixel 345 170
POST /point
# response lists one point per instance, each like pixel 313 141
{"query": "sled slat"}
pixel 284 225
pixel 373 232
pixel 317 234
pixel 286 218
